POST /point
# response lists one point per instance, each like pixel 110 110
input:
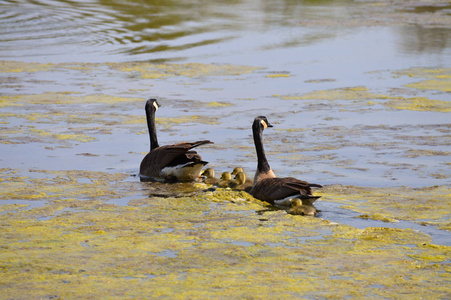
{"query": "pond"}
pixel 359 96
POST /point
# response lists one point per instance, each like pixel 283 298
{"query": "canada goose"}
pixel 298 208
pixel 243 184
pixel 226 180
pixel 209 174
pixel 267 186
pixel 170 162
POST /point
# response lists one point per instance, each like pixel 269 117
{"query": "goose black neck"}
pixel 150 115
pixel 263 165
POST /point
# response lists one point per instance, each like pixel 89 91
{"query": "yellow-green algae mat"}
pixel 203 244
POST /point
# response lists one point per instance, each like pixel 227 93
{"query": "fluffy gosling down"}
pixel 209 174
pixel 298 208
pixel 227 181
pixel 242 183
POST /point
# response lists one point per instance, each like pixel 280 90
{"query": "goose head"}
pixel 261 123
pixel 152 105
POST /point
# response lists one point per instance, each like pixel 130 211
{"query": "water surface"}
pixel 358 93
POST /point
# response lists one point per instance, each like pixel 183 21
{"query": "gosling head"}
pixel 240 178
pixel 296 202
pixel 298 208
pixel 226 176
pixel 236 170
pixel 209 173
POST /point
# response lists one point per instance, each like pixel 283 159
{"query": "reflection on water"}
pixel 424 40
pixel 155 30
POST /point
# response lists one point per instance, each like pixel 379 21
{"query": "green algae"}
pixel 350 93
pixel 362 93
pixel 66 184
pixel 432 84
pixel 218 244
pixel 437 79
pixel 419 152
pixel 64 98
pixel 426 206
pixel 277 75
pixel 19 67
pixel 437 73
pixel 419 104
pixel 219 104
pixel 54 111
pixel 377 217
pixel 61 136
pixel 146 70
pixel 154 71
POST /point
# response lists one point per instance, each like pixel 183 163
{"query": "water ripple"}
pixel 75 27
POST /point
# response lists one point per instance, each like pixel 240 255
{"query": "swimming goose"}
pixel 299 208
pixel 267 186
pixel 170 162
pixel 209 174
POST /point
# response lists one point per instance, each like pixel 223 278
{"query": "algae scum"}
pixel 69 230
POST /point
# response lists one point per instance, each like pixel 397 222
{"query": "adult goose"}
pixel 268 187
pixel 170 162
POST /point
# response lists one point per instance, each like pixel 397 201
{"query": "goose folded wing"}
pixel 271 189
pixel 170 155
pixel 194 144
pixel 174 155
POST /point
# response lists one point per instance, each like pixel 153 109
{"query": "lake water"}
pixel 358 93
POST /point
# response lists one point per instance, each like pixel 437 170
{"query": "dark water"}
pixel 335 34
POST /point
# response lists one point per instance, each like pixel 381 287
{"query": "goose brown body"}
pixel 267 186
pixel 176 162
